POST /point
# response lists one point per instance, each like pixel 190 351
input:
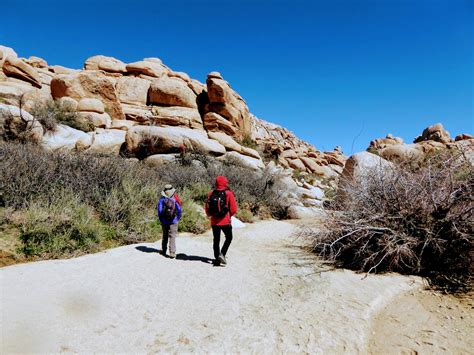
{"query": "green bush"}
pixel 245 215
pixel 194 219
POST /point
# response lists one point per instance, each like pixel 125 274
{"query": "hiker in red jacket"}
pixel 220 207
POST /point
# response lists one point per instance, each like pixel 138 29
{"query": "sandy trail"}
pixel 271 298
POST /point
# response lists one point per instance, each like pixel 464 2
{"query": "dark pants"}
pixel 216 231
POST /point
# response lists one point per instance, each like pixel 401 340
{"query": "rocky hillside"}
pixel 148 111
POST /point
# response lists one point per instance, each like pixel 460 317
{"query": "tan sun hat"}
pixel 168 191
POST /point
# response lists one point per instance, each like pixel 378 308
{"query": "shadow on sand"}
pixel 181 256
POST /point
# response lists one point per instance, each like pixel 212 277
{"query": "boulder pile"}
pixel 150 112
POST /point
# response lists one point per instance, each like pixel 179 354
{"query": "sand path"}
pixel 271 298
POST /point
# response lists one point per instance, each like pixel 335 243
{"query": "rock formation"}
pixel 149 111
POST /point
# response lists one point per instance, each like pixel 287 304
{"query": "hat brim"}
pixel 168 193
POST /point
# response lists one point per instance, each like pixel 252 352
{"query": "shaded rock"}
pixel 146 67
pixel 108 64
pixel 384 142
pixel 88 84
pixel 171 92
pixel 137 113
pixel 148 140
pixel 132 90
pixel 17 68
pixel 92 105
pixel 19 124
pixel 309 163
pixel 215 122
pixel 464 136
pixel 62 138
pixel 289 154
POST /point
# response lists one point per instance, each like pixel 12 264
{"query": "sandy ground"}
pixel 271 298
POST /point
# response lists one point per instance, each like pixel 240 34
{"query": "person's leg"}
pixel 164 241
pixel 228 238
pixel 173 232
pixel 216 231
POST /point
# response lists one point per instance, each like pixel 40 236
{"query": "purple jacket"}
pixel 179 212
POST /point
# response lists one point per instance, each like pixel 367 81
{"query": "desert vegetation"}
pixel 409 218
pixel 59 204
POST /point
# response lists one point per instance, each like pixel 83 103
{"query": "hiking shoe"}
pixel 222 259
pixel 172 255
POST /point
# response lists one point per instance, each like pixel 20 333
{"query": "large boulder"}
pixel 148 68
pixel 108 64
pixel 242 160
pixel 148 140
pixel 99 120
pixel 228 142
pixel 102 141
pixel 159 160
pixel 364 164
pixel 435 133
pixel 123 125
pixel 402 152
pixel 6 52
pixel 16 68
pixel 88 84
pixel 227 103
pixel 19 124
pixel 177 116
pixel 92 105
pixel 37 62
pixel 62 138
pixel 168 91
pixel 381 143
pixel 300 212
pixel 132 90
pixel 11 91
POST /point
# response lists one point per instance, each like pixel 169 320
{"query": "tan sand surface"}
pixel 273 297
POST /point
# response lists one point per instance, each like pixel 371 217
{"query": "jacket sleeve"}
pixel 232 203
pixel 179 210
pixel 159 207
pixel 176 197
pixel 206 206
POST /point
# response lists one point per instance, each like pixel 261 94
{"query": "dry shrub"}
pixel 409 220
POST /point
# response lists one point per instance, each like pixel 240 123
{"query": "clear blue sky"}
pixel 331 71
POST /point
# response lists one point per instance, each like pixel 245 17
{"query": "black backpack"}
pixel 169 211
pixel 217 203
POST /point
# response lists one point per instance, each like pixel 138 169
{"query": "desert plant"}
pixel 415 221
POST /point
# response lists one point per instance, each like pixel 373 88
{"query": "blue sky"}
pixel 339 72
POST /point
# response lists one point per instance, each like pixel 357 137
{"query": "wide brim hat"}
pixel 168 191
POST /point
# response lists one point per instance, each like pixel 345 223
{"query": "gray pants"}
pixel 170 231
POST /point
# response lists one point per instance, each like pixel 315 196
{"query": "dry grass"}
pixel 410 220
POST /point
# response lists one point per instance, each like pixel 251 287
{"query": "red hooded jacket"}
pixel 221 184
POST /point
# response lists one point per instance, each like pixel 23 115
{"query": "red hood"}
pixel 221 183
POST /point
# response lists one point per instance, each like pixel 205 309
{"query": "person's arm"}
pixel 206 206
pixel 179 211
pixel 232 203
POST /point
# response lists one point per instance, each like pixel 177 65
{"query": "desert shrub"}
pixel 248 142
pixel 63 227
pixel 245 215
pixel 51 113
pixel 194 219
pixel 414 221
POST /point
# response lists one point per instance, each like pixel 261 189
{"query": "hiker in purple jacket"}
pixel 169 213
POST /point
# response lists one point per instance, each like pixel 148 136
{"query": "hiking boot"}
pixel 172 255
pixel 222 259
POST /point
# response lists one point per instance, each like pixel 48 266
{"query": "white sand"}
pixel 270 298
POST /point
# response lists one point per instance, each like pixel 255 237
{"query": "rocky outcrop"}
pixel 168 91
pixel 16 68
pixel 435 133
pixel 108 64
